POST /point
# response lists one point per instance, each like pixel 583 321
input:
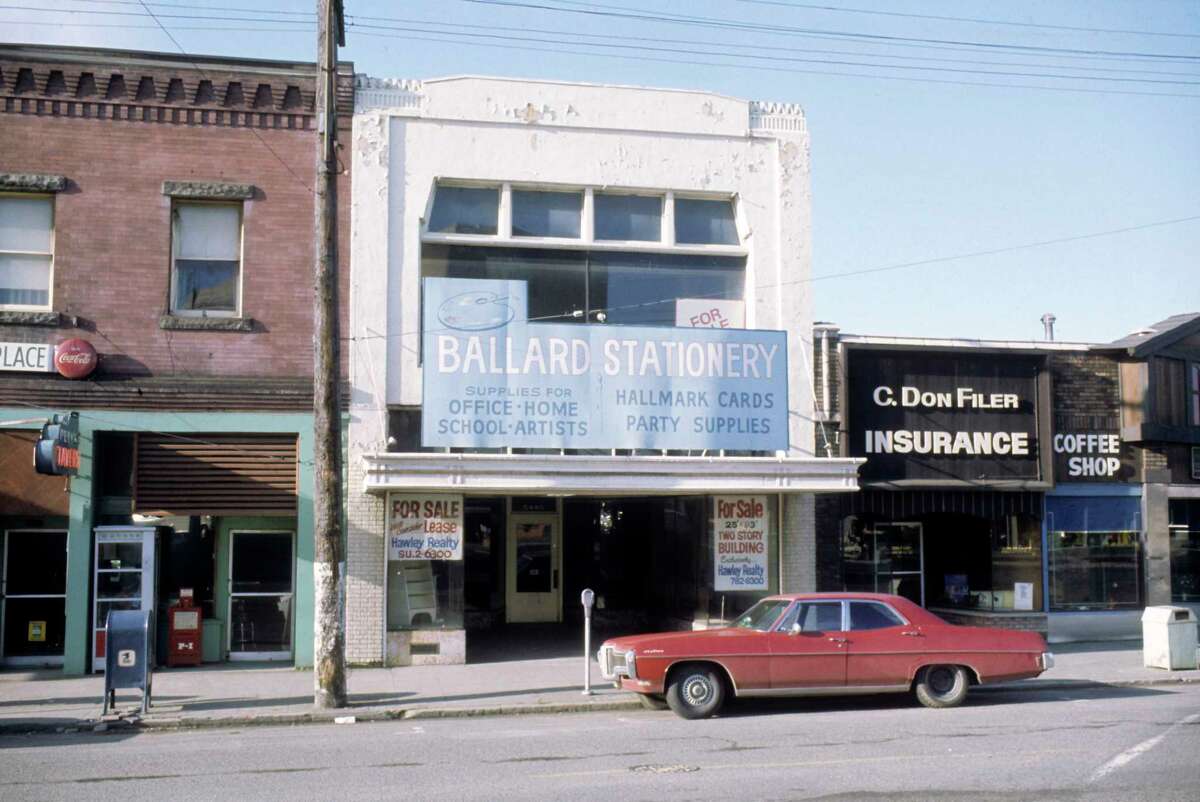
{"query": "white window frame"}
pixel 53 229
pixel 586 239
pixel 237 311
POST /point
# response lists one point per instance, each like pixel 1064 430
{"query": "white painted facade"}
pixel 408 135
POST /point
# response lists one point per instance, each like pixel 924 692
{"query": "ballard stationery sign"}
pixel 494 379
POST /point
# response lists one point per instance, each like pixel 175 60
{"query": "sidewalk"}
pixel 233 695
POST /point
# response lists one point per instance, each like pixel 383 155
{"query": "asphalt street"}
pixel 1096 743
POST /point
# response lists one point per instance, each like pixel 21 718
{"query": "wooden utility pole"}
pixel 329 638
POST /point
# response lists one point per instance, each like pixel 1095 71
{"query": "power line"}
pixel 767 68
pixel 791 59
pixel 624 12
pixel 975 20
pixel 753 46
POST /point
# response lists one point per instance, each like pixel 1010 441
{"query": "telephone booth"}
pixel 125 577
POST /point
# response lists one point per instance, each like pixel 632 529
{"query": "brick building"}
pixel 1041 485
pixel 155 229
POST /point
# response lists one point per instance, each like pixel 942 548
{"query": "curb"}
pixel 135 723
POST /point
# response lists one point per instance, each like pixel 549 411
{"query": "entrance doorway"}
pixel 885 558
pixel 33 597
pixel 533 567
pixel 261 589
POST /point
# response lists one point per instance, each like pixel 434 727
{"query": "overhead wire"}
pixel 626 12
pixel 787 59
pixel 974 20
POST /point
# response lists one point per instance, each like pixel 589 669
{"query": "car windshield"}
pixel 762 615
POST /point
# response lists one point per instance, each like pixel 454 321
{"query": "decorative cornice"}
pixel 180 323
pixel 32 182
pixel 208 190
pixel 766 116
pixel 386 93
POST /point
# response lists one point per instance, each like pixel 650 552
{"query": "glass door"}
pixel 260 595
pixel 33 597
pixel 884 558
pixel 534 589
pixel 898 563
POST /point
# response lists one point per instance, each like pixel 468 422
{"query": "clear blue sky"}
pixel 904 170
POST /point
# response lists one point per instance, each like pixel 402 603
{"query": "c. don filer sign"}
pixel 938 416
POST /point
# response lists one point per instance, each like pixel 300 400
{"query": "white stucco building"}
pixel 610 203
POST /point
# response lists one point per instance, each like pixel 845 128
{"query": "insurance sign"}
pixel 492 378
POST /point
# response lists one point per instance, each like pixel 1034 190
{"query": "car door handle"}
pixel 913 634
pixel 837 640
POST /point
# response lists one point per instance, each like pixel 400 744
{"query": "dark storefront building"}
pixel 1038 485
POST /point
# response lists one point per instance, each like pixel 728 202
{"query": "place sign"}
pixel 27 357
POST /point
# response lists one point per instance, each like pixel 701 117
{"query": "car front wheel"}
pixel 695 692
pixel 942 686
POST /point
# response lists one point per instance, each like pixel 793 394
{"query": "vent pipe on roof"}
pixel 1048 321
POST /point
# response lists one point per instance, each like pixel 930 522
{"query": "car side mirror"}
pixel 794 629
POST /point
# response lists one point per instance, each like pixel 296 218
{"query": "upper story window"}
pixel 704 222
pixel 206 258
pixel 608 219
pixel 546 214
pixel 632 218
pixel 465 210
pixel 1195 393
pixel 26 251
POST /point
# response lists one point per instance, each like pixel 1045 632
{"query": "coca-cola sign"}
pixel 75 358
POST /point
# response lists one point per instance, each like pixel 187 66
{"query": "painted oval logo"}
pixel 475 311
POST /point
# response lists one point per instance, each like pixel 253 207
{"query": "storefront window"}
pixel 1185 551
pixel 424 594
pixel 1095 570
pixel 1095 558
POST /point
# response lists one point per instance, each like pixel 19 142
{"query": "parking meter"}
pixel 588 599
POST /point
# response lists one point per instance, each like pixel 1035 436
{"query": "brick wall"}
pixel 1034 622
pixel 113 240
pixel 829 541
pixel 365 614
pixel 1086 390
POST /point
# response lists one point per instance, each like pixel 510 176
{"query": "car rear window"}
pixel 868 615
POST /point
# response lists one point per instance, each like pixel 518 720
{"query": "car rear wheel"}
pixel 652 701
pixel 695 691
pixel 942 686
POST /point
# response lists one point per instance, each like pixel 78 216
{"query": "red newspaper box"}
pixel 184 631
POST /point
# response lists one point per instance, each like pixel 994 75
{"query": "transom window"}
pixel 26 251
pixel 586 215
pixel 206 264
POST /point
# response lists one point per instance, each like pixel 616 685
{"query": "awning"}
pixel 577 475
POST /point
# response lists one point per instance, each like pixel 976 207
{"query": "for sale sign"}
pixel 740 529
pixel 425 527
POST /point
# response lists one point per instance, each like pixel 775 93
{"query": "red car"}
pixel 820 644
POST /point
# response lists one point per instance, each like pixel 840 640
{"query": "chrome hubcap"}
pixel 941 680
pixel 697 690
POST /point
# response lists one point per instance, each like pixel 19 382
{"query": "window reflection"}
pixel 546 214
pixel 704 222
pixel 465 210
pixel 628 217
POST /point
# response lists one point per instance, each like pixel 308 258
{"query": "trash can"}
pixel 128 655
pixel 1169 638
